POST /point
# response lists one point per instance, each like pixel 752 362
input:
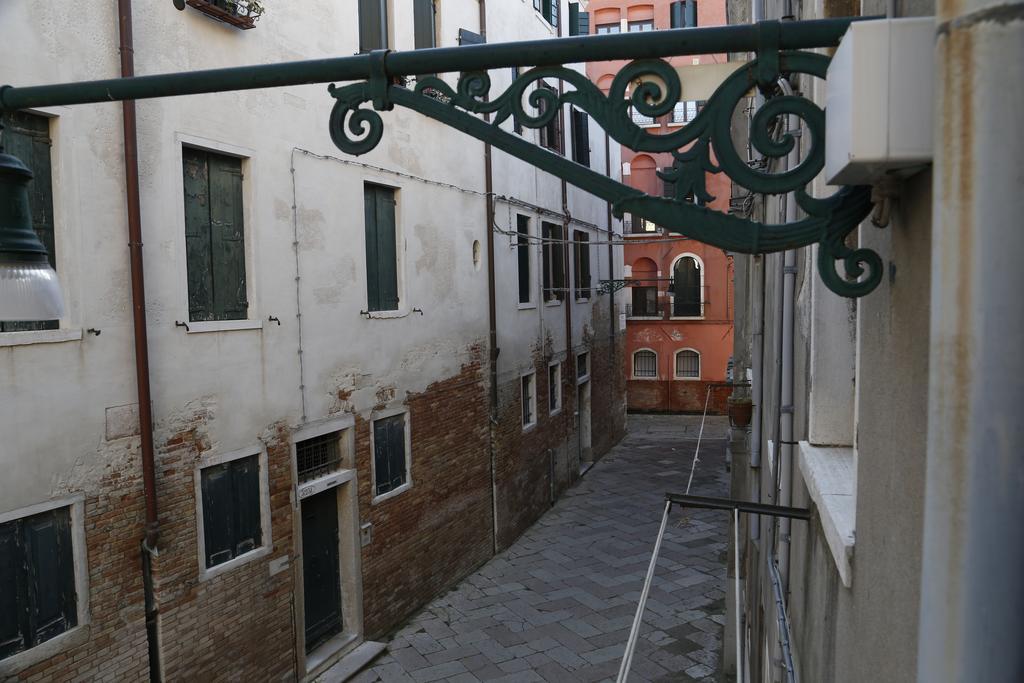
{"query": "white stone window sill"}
pixel 392 493
pixel 553 302
pixel 223 326
pixel 644 317
pixel 73 637
pixel 386 315
pixel 530 427
pixel 40 337
pixel 680 378
pixel 528 306
pixel 831 479
pixel 686 317
pixel 646 379
pixel 207 573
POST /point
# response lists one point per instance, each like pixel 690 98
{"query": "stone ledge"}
pixel 831 478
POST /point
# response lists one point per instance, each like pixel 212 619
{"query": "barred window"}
pixel 645 364
pixel 688 364
pixel 318 456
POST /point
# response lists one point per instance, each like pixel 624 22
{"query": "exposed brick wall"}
pixel 116 645
pixel 676 396
pixel 536 465
pixel 427 538
pixel 203 622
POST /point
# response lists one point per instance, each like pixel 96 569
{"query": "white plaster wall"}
pixel 55 396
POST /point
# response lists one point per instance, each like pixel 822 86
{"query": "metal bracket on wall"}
pixel 648 85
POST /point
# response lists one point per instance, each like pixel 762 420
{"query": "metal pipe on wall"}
pixel 140 337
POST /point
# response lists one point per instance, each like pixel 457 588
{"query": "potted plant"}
pixel 242 14
pixel 740 410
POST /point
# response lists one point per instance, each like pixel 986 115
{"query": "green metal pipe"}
pixel 647 45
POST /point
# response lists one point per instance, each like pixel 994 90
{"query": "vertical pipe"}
pixel 141 341
pixel 570 291
pixel 492 315
pixel 972 597
pixel 736 575
pixel 611 256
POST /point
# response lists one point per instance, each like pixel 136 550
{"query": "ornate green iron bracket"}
pixel 702 146
pixel 610 286
pixel 357 130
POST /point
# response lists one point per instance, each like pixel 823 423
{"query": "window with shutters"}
pixel 517 127
pixel 554 388
pixel 424 20
pixel 373 25
pixel 38 595
pixel 579 125
pixel 687 364
pixel 381 249
pixel 581 276
pixel 524 253
pixel 528 399
pixel 548 9
pixel 551 132
pixel 231 493
pixel 683 13
pixel 645 364
pixel 644 303
pixel 391 466
pixel 554 262
pixel 214 236
pixel 579 21
pixel 27 136
pixel 687 287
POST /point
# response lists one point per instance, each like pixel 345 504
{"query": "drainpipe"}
pixel 611 256
pixel 972 598
pixel 756 380
pixel 570 292
pixel 131 172
pixel 492 315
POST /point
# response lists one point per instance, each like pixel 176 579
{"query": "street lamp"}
pixel 29 289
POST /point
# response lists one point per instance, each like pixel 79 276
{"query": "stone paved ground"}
pixel 558 605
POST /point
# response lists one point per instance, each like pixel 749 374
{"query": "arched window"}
pixel 686 288
pixel 687 364
pixel 645 363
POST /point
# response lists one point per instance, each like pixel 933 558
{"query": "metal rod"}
pixel 696 451
pixel 634 632
pixel 736 575
pixel 783 620
pixel 575 49
pixel 710 503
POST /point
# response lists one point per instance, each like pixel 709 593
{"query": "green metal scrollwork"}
pixel 702 146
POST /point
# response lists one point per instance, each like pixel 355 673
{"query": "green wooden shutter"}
pixel 523 253
pixel 373 22
pixel 218 519
pixel 381 249
pixel 13 598
pixel 198 251
pixel 227 238
pixel 547 251
pixel 583 24
pixel 677 15
pixel 51 574
pixel 245 483
pixel 580 123
pixel 423 23
pixel 691 13
pixel 27 136
pixel 558 276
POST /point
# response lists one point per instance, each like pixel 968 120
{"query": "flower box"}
pixel 241 14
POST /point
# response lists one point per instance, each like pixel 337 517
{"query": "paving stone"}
pixel 558 604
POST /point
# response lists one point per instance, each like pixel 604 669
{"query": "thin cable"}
pixel 696 452
pixel 627 657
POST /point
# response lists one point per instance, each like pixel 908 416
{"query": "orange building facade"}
pixel 679 315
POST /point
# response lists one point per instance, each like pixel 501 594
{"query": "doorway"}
pixel 321 568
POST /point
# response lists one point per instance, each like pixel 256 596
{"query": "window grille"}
pixel 645 364
pixel 688 364
pixel 637 26
pixel 318 456
pixel 608 28
pixel 639 119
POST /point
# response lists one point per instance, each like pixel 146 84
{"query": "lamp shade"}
pixel 29 289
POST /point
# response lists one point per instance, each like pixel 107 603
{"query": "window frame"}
pixel 640 22
pixel 608 28
pixel 585 355
pixel 553 252
pixel 557 407
pixel 549 136
pixel 633 314
pixel 266 532
pixel 582 291
pixel 79 633
pixel 675 365
pixel 385 7
pixel 672 294
pixel 376 416
pixel 524 241
pixel 531 377
pixel 434 33
pixel 400 309
pixel 253 319
pixel 632 373
pixel 549 10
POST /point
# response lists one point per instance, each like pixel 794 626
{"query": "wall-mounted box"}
pixel 879 107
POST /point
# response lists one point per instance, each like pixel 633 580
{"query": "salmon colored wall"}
pixel 712 335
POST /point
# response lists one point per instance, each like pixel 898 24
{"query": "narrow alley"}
pixel 558 604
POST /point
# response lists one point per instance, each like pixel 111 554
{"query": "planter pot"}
pixel 740 411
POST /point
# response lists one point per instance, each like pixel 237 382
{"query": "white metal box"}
pixel 879 106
